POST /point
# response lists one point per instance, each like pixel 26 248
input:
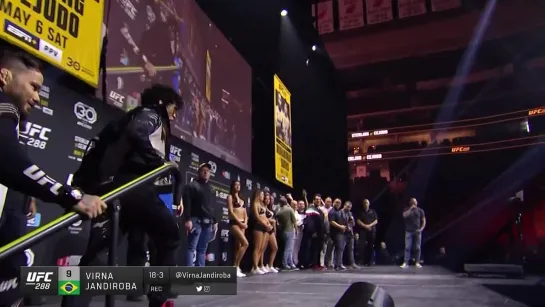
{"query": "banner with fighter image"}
pixel 282 131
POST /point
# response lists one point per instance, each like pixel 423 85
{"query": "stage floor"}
pixel 426 287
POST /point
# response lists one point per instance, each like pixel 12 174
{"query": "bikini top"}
pixel 237 203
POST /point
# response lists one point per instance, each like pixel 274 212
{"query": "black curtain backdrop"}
pixel 73 121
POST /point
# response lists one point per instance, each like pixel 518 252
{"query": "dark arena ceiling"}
pixel 399 72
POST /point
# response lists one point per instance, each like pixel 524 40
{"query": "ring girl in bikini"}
pixel 260 226
pixel 270 237
pixel 238 219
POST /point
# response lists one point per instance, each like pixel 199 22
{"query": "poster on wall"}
pixel 410 8
pixel 350 14
pixel 56 31
pixel 324 17
pixel 379 11
pixel 282 131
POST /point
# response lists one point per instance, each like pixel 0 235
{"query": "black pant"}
pixel 367 246
pixel 140 209
pixel 309 253
pixel 138 244
pixel 12 227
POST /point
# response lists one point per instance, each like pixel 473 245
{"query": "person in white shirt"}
pixel 300 218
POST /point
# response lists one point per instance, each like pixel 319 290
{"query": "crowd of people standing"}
pixel 319 235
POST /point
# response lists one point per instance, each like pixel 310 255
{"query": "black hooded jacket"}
pixel 17 171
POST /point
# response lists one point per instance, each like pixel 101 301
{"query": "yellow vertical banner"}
pixel 282 133
pixel 208 88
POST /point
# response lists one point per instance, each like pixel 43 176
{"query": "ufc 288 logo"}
pixel 34 135
pixel 38 280
pixel 33 277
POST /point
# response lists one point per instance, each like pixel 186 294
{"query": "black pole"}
pixel 103 68
pixel 112 254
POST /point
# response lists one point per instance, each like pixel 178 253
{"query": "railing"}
pixel 66 220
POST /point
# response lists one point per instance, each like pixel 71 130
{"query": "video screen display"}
pixel 175 43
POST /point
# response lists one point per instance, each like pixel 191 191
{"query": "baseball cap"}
pixel 207 165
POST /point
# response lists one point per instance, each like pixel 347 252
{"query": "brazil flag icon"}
pixel 68 287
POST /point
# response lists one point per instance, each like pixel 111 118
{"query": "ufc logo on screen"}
pixel 117 97
pixel 460 149
pixel 175 151
pixel 536 112
pixel 36 131
pixel 39 277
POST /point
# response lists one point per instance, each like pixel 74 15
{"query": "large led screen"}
pixel 174 43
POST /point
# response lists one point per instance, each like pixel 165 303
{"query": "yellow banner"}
pixel 282 131
pixel 208 76
pixel 67 34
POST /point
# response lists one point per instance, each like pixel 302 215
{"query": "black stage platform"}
pixel 426 287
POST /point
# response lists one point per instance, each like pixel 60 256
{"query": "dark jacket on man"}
pixel 199 201
pixel 132 146
pixel 314 222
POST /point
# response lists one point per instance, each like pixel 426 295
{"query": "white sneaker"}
pixel 264 270
pixel 272 270
pixel 240 274
pixel 404 265
pixel 418 265
pixel 257 271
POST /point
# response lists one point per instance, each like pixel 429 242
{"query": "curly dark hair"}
pixel 161 94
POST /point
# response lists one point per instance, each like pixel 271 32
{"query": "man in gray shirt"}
pixel 287 226
pixel 415 222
